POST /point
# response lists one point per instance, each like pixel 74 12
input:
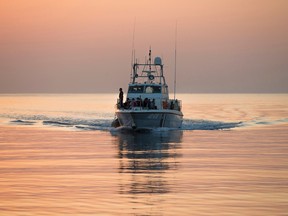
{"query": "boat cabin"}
pixel 148 92
pixel 150 89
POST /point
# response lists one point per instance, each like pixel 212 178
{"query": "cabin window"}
pixel 135 89
pixel 157 89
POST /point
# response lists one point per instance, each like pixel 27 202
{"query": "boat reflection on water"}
pixel 146 159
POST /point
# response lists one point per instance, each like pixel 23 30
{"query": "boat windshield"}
pixel 135 89
pixel 148 89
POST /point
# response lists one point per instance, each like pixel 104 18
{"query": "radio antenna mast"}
pixel 133 50
pixel 175 63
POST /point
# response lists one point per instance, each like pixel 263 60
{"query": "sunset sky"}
pixel 84 46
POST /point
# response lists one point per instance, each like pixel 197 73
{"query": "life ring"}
pixel 151 77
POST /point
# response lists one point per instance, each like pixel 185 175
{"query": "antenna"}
pixel 133 50
pixel 150 59
pixel 175 65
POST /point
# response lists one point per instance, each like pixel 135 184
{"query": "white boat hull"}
pixel 147 119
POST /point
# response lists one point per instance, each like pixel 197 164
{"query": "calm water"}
pixel 59 156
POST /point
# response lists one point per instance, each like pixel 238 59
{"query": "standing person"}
pixel 121 97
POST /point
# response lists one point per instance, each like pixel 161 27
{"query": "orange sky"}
pixel 85 46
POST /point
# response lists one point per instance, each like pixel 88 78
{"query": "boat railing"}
pixel 170 104
pixel 136 104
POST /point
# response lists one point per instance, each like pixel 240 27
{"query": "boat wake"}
pixel 104 124
pixel 201 124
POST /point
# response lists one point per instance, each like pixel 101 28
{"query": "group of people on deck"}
pixel 146 103
pixel 138 102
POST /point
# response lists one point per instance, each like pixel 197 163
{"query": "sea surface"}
pixel 59 156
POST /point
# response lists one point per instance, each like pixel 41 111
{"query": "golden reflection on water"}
pixel 147 156
pixel 50 172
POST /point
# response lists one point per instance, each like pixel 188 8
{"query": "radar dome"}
pixel 157 61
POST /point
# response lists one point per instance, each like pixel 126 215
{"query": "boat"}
pixel 147 104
